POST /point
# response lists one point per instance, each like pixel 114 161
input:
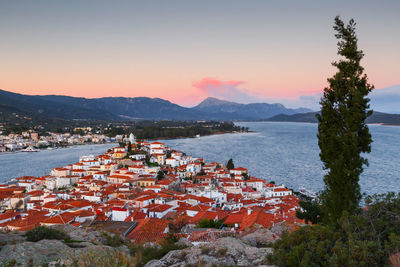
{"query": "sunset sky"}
pixel 184 51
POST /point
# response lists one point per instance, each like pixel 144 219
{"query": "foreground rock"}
pixel 85 248
pixel 226 251
pixel 54 251
pixel 260 238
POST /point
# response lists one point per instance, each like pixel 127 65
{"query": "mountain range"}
pixel 376 117
pixel 55 107
pixel 124 108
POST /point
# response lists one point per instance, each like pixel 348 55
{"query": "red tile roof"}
pixel 149 230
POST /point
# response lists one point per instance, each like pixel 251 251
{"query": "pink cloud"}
pixel 213 82
pixel 227 90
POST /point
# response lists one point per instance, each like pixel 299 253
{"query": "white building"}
pixel 119 214
pixel 132 139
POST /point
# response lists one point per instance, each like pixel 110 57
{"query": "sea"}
pixel 13 165
pixel 288 153
pixel 284 152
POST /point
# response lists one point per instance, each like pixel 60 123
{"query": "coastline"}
pixel 372 123
pixel 54 148
pixel 194 137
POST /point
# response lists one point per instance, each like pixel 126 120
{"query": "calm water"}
pixel 288 153
pixel 40 163
pixel 283 152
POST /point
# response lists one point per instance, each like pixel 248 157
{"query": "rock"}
pixel 10 238
pixel 260 238
pixel 226 251
pixel 151 245
pixel 184 242
pixel 36 252
pixel 55 251
pixel 81 234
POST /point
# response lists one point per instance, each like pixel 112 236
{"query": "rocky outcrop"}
pixel 260 238
pixel 40 252
pixel 81 234
pixel 85 247
pixel 226 251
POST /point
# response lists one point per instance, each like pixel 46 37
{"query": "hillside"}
pixel 252 111
pixel 376 117
pixel 136 108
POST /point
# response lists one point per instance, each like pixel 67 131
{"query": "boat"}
pixel 307 192
pixel 30 149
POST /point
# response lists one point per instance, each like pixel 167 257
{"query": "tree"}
pixel 310 211
pixel 129 148
pixel 342 132
pixel 160 175
pixel 230 164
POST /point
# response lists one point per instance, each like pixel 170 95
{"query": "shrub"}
pixel 367 238
pixel 146 254
pixel 209 224
pixel 222 251
pixel 183 255
pixel 114 240
pixel 109 258
pixel 205 250
pixel 43 232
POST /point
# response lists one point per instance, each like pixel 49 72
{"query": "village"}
pixel 32 141
pixel 145 191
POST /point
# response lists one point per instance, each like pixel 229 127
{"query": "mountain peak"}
pixel 212 101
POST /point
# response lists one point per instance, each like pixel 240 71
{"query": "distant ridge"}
pixel 251 111
pixel 376 117
pixel 136 108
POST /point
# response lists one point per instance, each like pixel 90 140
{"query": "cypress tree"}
pixel 230 164
pixel 342 132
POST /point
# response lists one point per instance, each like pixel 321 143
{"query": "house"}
pixel 281 192
pixel 146 182
pixel 158 158
pixel 60 172
pixel 172 162
pixel 156 147
pixel 193 168
pixel 239 171
pixel 119 152
pixel 155 188
pixel 204 179
pixel 157 210
pixel 119 214
pixel 100 176
pixel 118 179
pixel 9 215
pixel 78 172
pixel 149 230
pixel 62 218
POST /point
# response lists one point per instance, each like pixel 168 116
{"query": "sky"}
pixel 185 51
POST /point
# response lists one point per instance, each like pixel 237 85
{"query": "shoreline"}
pixel 194 137
pixel 372 123
pixel 54 148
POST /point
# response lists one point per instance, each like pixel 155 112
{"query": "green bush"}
pixel 367 238
pixel 114 240
pixel 205 250
pixel 43 232
pixel 209 224
pixel 222 252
